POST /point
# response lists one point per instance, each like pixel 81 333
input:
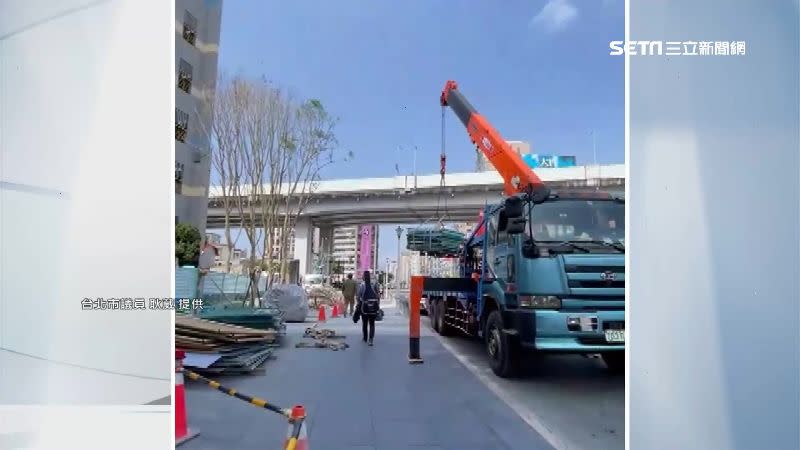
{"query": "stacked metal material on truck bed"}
pixel 432 241
pixel 220 348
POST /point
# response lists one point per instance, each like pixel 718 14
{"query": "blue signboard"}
pixel 548 161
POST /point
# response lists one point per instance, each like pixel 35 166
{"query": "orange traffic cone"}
pixel 182 431
pixel 321 316
pixel 298 419
pixel 335 312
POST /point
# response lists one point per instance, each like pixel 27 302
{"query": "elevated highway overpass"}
pixel 409 199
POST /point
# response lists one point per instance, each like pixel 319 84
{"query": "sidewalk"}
pixel 362 398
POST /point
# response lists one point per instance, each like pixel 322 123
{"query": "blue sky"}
pixel 538 70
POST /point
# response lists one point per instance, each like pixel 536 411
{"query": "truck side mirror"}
pixel 513 207
pixel 516 225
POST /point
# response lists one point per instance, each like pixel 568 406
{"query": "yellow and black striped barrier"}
pixel 261 403
pixel 296 440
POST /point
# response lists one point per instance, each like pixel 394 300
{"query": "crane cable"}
pixel 443 162
pixel 443 171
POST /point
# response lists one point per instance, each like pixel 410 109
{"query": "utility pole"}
pixel 386 276
pixel 415 167
pixel 399 231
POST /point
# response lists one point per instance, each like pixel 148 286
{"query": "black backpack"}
pixel 371 304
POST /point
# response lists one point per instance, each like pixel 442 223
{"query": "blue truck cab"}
pixel 550 279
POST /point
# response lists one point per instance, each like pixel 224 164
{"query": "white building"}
pixel 276 244
pixel 345 245
pixel 197 31
pixel 346 249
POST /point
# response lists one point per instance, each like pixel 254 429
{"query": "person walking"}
pixel 349 288
pixel 369 304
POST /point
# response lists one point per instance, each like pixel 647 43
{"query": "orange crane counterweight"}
pixel 518 177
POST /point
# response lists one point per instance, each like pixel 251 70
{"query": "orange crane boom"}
pixel 518 177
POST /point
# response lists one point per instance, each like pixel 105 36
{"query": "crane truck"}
pixel 542 271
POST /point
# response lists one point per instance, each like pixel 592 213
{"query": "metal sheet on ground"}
pixel 201 360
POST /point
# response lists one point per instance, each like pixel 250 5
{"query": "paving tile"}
pixel 362 398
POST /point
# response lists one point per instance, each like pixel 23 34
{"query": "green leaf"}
pixel 187 244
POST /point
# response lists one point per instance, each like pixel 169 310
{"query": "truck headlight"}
pixel 539 302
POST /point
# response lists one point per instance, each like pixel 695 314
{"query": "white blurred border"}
pixel 171 174
pixel 86 427
pixel 627 231
pixel 86 115
pixel 714 160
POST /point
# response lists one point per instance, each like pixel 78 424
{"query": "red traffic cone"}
pixel 335 312
pixel 182 431
pixel 321 316
pixel 301 441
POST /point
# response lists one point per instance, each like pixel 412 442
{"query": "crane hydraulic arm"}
pixel 518 177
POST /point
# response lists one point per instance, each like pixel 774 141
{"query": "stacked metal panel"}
pixel 220 348
pixel 433 241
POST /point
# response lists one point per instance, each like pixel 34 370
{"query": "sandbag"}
pixel 291 299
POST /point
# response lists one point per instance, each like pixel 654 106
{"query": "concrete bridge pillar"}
pixel 326 241
pixel 303 244
pixel 325 250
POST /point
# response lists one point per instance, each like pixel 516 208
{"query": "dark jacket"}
pixel 349 288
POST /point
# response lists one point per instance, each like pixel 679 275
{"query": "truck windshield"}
pixel 566 220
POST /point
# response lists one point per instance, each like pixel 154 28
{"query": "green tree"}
pixel 187 244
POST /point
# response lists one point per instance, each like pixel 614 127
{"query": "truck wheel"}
pixel 500 348
pixel 441 310
pixel 615 362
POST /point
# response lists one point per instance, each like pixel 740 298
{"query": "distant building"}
pixel 345 245
pixel 483 165
pixel 355 248
pixel 223 253
pixel 408 264
pixel 197 32
pixel 367 249
pixel 276 244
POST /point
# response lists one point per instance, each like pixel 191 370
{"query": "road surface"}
pixel 571 400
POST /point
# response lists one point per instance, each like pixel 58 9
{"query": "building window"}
pixel 185 76
pixel 178 172
pixel 189 28
pixel 178 177
pixel 181 125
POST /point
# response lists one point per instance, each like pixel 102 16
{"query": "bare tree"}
pixel 308 150
pixel 279 124
pixel 268 152
pixel 224 134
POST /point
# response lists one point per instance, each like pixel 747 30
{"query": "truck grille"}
pixel 571 268
pixel 596 284
pixel 596 280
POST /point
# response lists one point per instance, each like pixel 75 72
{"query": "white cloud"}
pixel 555 15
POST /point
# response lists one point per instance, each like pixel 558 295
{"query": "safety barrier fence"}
pixel 296 440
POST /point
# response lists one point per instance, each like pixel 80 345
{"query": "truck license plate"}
pixel 615 336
